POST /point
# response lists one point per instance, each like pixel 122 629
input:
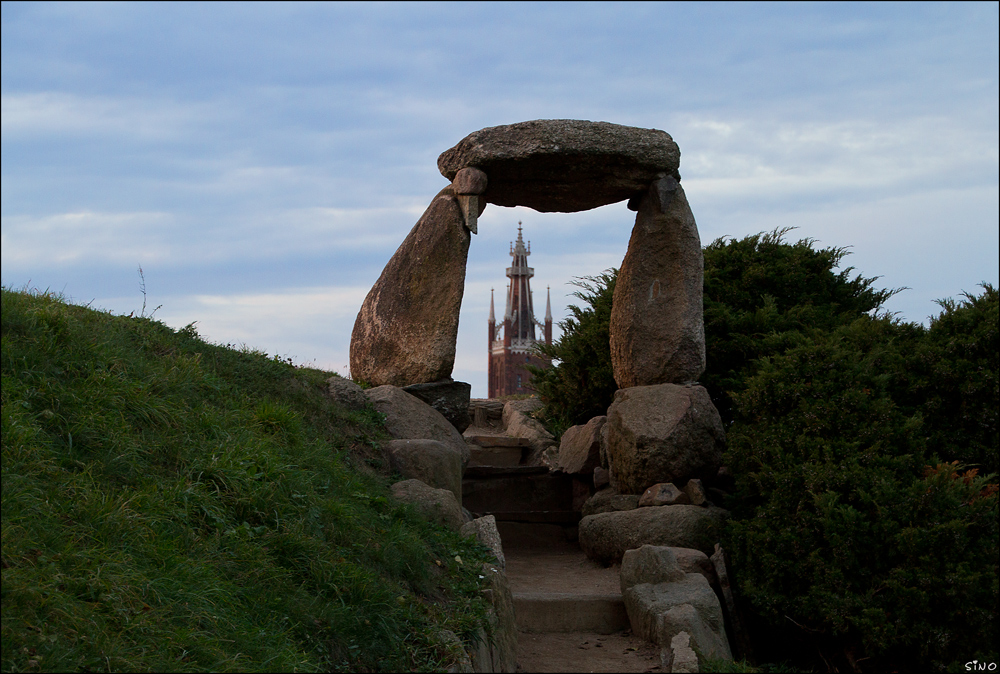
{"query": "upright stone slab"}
pixel 657 329
pixel 406 330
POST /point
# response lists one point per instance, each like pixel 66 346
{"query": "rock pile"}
pixel 673 608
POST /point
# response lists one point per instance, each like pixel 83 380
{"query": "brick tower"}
pixel 509 355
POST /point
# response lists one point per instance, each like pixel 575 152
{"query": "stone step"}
pixel 570 612
pixel 557 589
pixel 502 456
pixel 497 441
pixel 504 471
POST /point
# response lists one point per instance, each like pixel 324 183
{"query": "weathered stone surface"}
pixel 432 462
pixel 679 656
pixel 449 397
pixel 664 493
pixel 524 406
pixel 695 491
pixel 564 165
pixel 409 418
pixel 580 447
pixel 496 649
pixel 657 328
pixel 660 611
pixel 608 500
pixel 347 393
pixel 649 564
pixel 406 330
pixel 606 536
pixel 484 529
pixel 469 181
pixel 664 433
pixel 601 477
pixel 437 505
pixel 451 647
pixel 696 561
pixel 518 424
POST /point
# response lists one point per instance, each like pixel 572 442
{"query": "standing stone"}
pixel 657 329
pixel 406 330
pixel 665 433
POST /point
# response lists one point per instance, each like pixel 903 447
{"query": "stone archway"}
pixel 407 328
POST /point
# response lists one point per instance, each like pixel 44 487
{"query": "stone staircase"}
pixel 555 587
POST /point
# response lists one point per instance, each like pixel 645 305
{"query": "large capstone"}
pixel 564 165
pixel 407 328
pixel 657 330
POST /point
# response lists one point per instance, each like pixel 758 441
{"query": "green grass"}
pixel 170 504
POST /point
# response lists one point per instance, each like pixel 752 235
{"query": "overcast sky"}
pixel 262 162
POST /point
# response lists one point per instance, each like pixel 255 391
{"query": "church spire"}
pixel 510 356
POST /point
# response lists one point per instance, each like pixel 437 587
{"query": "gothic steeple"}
pixel 509 356
pixel 519 304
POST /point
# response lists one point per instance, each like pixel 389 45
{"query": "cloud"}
pixel 168 239
pixel 311 325
pixel 755 160
pixel 86 236
pixel 56 113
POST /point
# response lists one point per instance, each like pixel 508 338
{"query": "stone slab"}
pixel 406 330
pixel 564 165
pixel 495 456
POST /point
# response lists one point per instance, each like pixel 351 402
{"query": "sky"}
pixel 261 162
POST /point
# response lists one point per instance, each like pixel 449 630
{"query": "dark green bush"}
pixel 841 530
pixel 954 380
pixel 760 292
pixel 581 385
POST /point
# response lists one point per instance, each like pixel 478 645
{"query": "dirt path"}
pixel 585 652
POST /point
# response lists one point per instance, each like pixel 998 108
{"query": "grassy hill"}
pixel 170 504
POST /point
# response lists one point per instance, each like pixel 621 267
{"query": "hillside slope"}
pixel 170 504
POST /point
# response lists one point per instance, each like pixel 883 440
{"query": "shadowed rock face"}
pixel 407 328
pixel 564 165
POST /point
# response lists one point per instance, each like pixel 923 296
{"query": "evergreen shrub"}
pixel 853 530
